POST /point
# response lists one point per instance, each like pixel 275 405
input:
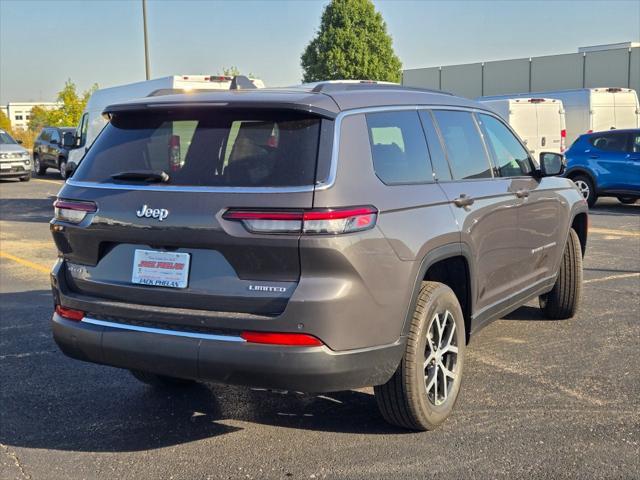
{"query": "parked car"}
pixel 606 164
pixel 319 238
pixel 15 161
pixel 92 121
pixel 539 122
pixel 590 110
pixel 51 149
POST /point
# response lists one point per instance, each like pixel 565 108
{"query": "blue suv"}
pixel 606 164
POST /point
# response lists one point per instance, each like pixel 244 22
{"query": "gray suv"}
pixel 318 238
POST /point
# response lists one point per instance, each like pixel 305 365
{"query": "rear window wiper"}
pixel 152 176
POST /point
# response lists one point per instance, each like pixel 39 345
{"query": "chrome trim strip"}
pixel 323 185
pixel 178 188
pixel 161 331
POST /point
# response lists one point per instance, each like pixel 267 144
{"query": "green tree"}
pixel 71 104
pixel 233 71
pixel 5 123
pixel 352 43
pixel 39 117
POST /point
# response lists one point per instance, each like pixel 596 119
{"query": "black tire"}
pixel 62 166
pixel 564 299
pixel 627 200
pixel 38 168
pixel 160 381
pixel 584 183
pixel 407 399
pixel 26 178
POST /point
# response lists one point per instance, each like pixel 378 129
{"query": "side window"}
pixel 635 143
pixel 466 152
pixel 55 136
pixel 511 158
pixel 438 158
pixel 398 147
pixel 610 142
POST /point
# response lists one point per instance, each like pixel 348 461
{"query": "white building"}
pixel 19 113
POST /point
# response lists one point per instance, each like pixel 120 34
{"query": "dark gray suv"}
pixel 319 238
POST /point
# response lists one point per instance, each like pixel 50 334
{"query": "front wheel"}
pixel 38 168
pixel 563 300
pixel 588 191
pixel 423 390
pixel 627 200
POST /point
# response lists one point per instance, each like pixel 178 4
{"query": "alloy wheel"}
pixel 441 357
pixel 583 187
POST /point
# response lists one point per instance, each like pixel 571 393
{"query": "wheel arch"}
pixel 457 258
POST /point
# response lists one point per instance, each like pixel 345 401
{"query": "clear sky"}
pixel 42 43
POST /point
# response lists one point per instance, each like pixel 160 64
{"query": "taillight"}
pixel 286 339
pixel 72 211
pixel 315 221
pixel 70 313
pixel 563 140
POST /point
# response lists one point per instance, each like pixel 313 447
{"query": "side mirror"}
pixel 54 141
pixel 69 140
pixel 551 164
pixel 19 142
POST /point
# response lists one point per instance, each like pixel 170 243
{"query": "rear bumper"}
pixel 223 358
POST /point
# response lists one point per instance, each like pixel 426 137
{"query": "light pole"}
pixel 146 40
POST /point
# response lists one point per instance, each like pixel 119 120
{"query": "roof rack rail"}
pixel 338 86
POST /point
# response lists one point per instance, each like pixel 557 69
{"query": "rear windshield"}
pixel 207 148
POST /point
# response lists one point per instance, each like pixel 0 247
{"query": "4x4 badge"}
pixel 159 213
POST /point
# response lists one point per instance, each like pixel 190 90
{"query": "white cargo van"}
pixel 92 122
pixel 540 122
pixel 593 109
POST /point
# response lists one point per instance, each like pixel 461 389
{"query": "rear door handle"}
pixel 463 201
pixel 522 193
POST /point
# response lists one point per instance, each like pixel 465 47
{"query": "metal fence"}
pixel 618 67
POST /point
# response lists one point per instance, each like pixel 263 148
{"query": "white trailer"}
pixel 593 109
pixel 539 122
pixel 92 122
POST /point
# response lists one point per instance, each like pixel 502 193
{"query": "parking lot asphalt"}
pixel 540 399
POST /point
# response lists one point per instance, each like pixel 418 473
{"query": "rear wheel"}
pixel 161 381
pixel 423 391
pixel 628 200
pixel 563 300
pixel 62 165
pixel 585 185
pixel 38 168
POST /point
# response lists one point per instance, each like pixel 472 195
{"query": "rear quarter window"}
pixel 209 147
pixel 398 147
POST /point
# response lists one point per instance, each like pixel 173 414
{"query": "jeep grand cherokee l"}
pixel 317 238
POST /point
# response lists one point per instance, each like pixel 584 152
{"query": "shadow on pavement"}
pixel 49 401
pixel 38 210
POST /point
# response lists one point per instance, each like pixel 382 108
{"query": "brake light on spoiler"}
pixel 315 221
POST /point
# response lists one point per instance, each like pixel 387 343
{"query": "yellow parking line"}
pixel 48 181
pixel 608 231
pixel 26 263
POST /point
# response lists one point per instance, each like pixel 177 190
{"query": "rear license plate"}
pixel 161 269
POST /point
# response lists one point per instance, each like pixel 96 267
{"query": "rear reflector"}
pixel 70 313
pixel 289 339
pixel 316 221
pixel 72 211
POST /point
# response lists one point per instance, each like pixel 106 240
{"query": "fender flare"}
pixel 449 250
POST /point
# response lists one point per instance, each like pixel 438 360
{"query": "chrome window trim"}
pixel 321 185
pixel 162 331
